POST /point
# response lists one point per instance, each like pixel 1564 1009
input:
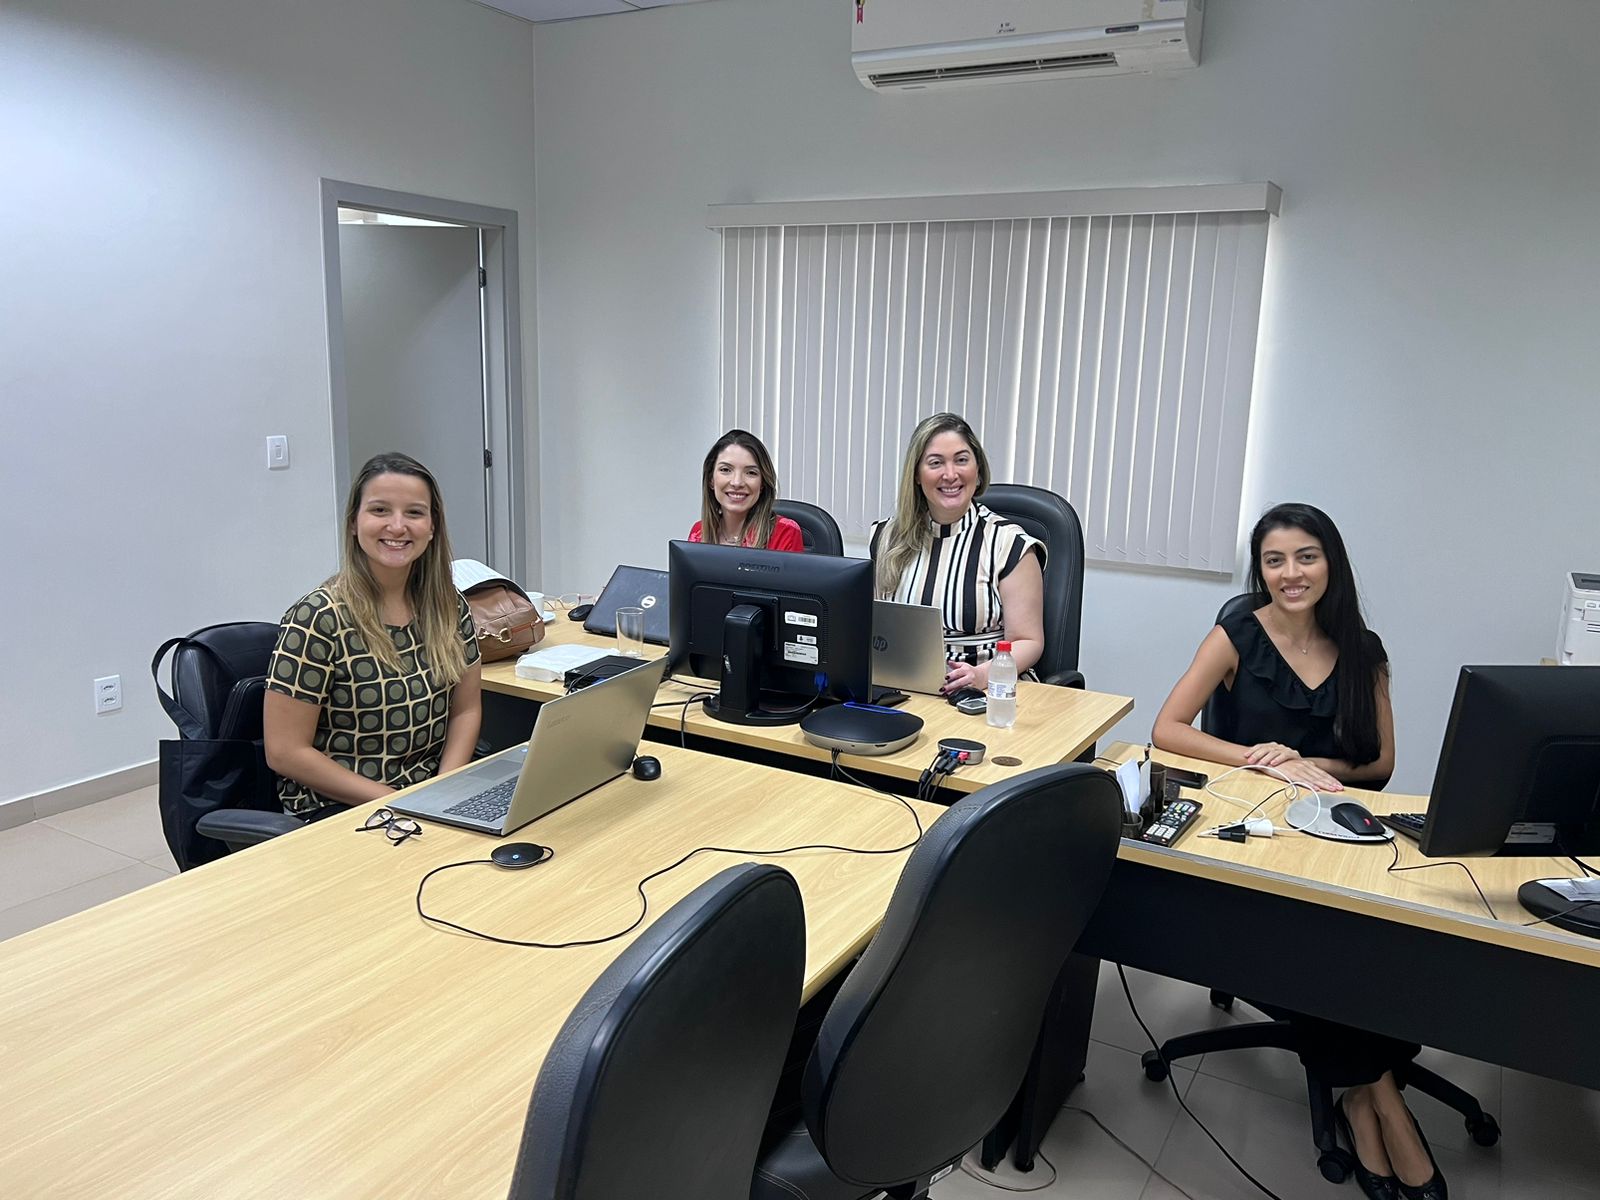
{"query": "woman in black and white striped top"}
pixel 944 548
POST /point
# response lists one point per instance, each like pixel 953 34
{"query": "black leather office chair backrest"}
pixel 660 1081
pixel 1215 716
pixel 818 529
pixel 217 675
pixel 927 1041
pixel 1052 520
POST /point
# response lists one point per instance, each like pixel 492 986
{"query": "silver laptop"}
pixel 633 587
pixel 579 742
pixel 908 651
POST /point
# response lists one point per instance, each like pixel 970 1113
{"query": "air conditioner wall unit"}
pixel 906 45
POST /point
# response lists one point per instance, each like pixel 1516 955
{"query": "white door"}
pixel 413 340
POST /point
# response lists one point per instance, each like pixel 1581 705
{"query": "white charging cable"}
pixel 1295 788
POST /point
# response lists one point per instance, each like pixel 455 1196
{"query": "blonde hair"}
pixel 909 531
pixel 762 516
pixel 429 586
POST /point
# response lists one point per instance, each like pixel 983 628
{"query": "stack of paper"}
pixel 552 664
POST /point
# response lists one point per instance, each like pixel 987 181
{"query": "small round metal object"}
pixel 1006 760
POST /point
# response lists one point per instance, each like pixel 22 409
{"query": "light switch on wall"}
pixel 277 452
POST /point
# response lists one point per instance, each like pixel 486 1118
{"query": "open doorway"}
pixel 424 353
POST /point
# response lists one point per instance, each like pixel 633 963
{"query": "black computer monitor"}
pixel 1520 769
pixel 779 630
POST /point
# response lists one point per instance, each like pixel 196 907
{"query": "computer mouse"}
pixel 1355 817
pixel 646 767
pixel 516 855
pixel 580 612
pixel 960 694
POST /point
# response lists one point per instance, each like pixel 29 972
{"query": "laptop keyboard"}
pixel 1409 824
pixel 491 805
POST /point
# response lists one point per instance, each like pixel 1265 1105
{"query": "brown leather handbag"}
pixel 507 622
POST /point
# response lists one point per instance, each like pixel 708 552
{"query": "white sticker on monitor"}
pixel 806 639
pixel 800 618
pixel 795 652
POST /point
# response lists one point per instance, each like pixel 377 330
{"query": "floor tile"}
pixel 129 824
pixel 163 861
pixel 1443 1126
pixel 36 860
pixel 31 914
pixel 1138 1111
pixel 1269 1136
pixel 1551 1130
pixel 1169 1007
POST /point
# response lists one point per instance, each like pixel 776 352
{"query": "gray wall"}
pixel 161 312
pixel 1428 357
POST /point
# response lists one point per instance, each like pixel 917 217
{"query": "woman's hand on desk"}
pixel 1287 761
pixel 960 675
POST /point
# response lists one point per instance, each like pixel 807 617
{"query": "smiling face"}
pixel 948 477
pixel 393 524
pixel 736 483
pixel 1294 568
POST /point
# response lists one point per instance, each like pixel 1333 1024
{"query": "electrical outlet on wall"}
pixel 108 693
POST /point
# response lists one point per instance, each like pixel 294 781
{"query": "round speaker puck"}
pixel 516 855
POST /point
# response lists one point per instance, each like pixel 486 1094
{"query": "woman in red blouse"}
pixel 739 488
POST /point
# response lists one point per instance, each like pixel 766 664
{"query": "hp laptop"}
pixel 579 742
pixel 908 651
pixel 633 587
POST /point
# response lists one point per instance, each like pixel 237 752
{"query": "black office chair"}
pixel 928 1039
pixel 215 785
pixel 818 529
pixel 1284 1029
pixel 659 1082
pixel 1051 519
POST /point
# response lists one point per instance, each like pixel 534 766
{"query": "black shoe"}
pixel 1373 1185
pixel 1434 1188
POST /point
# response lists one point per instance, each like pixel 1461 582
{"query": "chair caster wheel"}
pixel 1221 1000
pixel 1155 1067
pixel 1336 1165
pixel 1485 1131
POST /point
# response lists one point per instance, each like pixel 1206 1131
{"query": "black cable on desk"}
pixel 1394 845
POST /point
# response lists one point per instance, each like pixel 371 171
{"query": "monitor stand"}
pixel 1575 907
pixel 740 700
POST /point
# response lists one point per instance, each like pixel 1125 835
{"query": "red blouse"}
pixel 785 536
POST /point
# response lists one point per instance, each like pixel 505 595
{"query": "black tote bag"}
pixel 207 768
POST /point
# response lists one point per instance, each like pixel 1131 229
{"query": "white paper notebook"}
pixel 552 664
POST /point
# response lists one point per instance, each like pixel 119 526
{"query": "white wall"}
pixel 161 312
pixel 1429 355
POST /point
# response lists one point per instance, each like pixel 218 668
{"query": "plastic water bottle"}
pixel 1002 710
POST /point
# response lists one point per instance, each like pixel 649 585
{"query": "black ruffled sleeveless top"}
pixel 1269 702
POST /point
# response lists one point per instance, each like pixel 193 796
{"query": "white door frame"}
pixel 505 485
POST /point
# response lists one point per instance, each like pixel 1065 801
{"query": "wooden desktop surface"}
pixel 1054 724
pixel 1356 876
pixel 282 1022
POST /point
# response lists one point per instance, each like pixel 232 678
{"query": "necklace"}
pixel 733 541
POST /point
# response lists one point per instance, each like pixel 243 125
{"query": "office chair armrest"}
pixel 240 827
pixel 1072 679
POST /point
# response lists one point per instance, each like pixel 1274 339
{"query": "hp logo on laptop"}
pixel 879 642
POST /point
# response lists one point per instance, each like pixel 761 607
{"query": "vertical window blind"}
pixel 1101 343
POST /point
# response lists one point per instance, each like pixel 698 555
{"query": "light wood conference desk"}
pixel 283 1023
pixel 1054 724
pixel 1323 927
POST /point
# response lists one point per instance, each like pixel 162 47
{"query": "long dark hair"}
pixel 1361 658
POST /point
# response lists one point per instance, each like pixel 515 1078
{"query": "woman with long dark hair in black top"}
pixel 1301 686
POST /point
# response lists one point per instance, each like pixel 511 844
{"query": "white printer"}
pixel 1578 641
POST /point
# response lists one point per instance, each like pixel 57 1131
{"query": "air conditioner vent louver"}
pixel 929 45
pixel 1021 67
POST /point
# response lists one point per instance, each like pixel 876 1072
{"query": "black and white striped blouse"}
pixel 960 571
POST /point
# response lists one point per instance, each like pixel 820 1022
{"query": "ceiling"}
pixel 562 10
